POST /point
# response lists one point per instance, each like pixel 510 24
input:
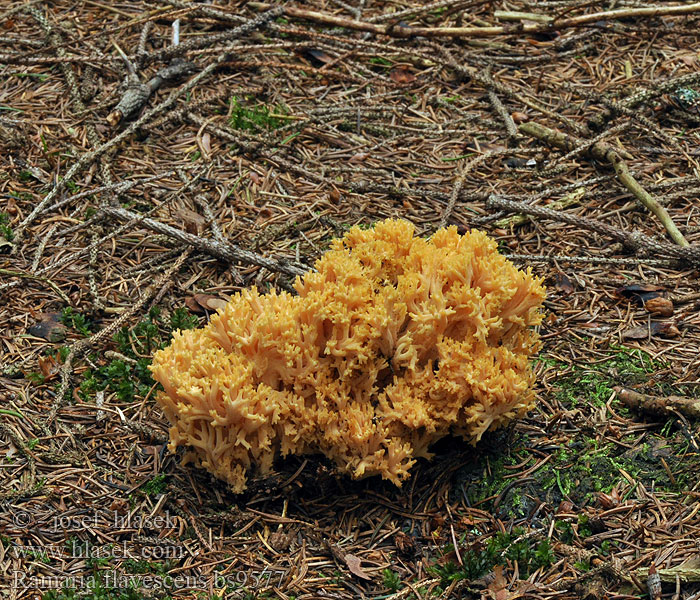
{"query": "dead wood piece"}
pixel 134 98
pixel 395 30
pixel 635 240
pixel 90 157
pixel 216 231
pixel 137 93
pixel 658 405
pixel 688 572
pixel 604 152
pixel 459 184
pixel 81 346
pixel 224 251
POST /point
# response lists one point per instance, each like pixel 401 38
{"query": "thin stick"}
pixel 393 30
pixel 216 231
pixel 635 240
pixel 604 152
pixel 225 251
pixel 459 184
pixel 165 280
pixel 48 282
pixel 91 156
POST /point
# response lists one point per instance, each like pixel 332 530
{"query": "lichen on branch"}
pixel 391 344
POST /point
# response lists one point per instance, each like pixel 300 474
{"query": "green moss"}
pixel 595 466
pixel 142 566
pixel 594 381
pixel 130 377
pixel 5 229
pixel 255 118
pixel 78 322
pixel 126 379
pixel 502 548
pixel 35 377
pixel 391 580
pixel 181 319
pixel 156 486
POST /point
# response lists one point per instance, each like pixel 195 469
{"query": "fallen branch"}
pixel 459 184
pixel 51 284
pixel 225 251
pixel 90 157
pixel 591 260
pixel 688 572
pixel 573 197
pixel 604 152
pixel 138 93
pixel 164 281
pixel 216 231
pixel 634 240
pixel 633 101
pixel 659 405
pixel 396 30
pixel 115 189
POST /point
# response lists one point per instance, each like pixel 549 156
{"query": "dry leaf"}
pixel 665 329
pixel 49 328
pixel 640 292
pixel 563 284
pixel 402 75
pixel 334 196
pixel 606 500
pixel 497 588
pixel 354 565
pixel 483 147
pixel 315 56
pixel 359 157
pixel 659 306
pixel 206 143
pixel 193 305
pixel 193 221
pixel 48 366
pixel 119 505
pixel 10 206
pixel 565 507
pixel 209 302
pixel 636 333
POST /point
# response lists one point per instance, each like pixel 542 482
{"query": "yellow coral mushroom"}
pixel 391 344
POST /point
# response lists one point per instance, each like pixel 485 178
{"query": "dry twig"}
pixel 604 152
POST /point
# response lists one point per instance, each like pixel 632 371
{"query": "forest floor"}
pixel 270 133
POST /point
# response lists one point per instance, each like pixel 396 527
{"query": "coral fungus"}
pixel 391 344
